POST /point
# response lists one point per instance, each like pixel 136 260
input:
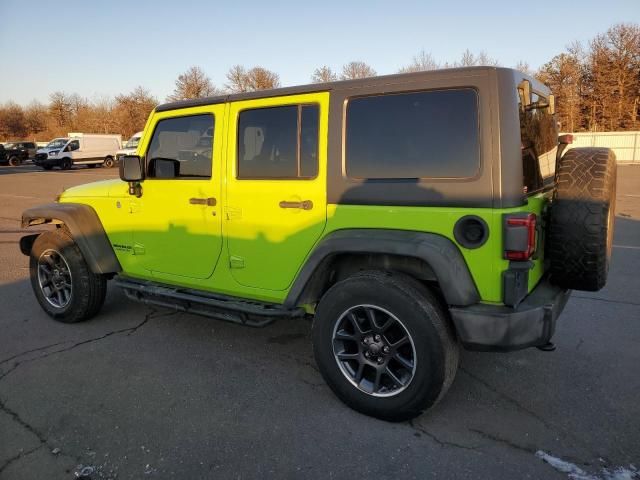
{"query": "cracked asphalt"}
pixel 147 393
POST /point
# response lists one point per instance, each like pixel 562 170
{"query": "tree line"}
pixel 597 87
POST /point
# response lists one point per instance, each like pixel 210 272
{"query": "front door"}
pixel 276 186
pixel 178 230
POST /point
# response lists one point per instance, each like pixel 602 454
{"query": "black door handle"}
pixel 304 205
pixel 210 202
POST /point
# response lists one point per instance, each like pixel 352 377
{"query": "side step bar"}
pixel 230 309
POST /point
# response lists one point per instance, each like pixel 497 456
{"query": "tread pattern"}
pixel 90 289
pixel 581 219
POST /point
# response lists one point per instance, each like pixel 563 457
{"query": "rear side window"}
pixel 413 135
pixel 539 143
pixel 181 147
pixel 278 142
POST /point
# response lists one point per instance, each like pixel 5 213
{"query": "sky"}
pixel 103 48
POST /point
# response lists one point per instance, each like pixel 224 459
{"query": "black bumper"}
pixel 500 328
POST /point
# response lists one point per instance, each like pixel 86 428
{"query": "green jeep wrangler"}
pixel 409 214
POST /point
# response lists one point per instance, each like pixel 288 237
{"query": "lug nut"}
pixel 385 349
pixel 377 337
pixel 379 359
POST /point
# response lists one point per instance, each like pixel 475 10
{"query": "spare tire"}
pixel 581 219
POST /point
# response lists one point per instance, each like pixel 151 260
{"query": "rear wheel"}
pixel 65 287
pixel 581 219
pixel 108 162
pixel 14 161
pixel 384 344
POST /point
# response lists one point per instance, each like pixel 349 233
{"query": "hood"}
pixel 126 151
pixel 103 188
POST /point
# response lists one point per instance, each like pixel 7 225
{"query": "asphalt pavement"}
pixel 142 392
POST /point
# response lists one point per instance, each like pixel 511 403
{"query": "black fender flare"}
pixel 85 228
pixel 440 253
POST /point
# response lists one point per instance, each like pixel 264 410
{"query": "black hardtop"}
pixel 356 84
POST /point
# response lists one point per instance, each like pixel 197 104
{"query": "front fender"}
pixel 85 228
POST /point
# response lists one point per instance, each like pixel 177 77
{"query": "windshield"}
pixel 539 144
pixel 133 142
pixel 57 143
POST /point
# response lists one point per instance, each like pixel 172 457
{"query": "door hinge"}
pixel 236 262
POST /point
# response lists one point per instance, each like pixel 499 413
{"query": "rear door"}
pixel 276 186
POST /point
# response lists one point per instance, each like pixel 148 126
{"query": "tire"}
pixel 47 167
pixel 14 161
pixel 406 308
pixel 66 164
pixel 581 219
pixel 108 162
pixel 83 298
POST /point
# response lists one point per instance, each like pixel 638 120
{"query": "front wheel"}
pixel 65 287
pixel 14 161
pixel 384 344
pixel 108 162
pixel 66 164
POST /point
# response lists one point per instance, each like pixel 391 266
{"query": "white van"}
pixel 80 149
pixel 130 147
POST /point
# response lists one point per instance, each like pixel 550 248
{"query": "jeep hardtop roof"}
pixel 352 84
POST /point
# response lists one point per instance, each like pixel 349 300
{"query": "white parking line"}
pixel 627 246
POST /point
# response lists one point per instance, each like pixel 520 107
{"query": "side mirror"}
pixel 132 171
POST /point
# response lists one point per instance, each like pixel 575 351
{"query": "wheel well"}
pixel 340 266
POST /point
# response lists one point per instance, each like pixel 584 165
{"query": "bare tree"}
pixel 237 78
pixel 257 78
pixel 323 74
pixel 356 69
pixel 524 67
pixel 133 109
pixel 562 74
pixel 35 117
pixel 262 79
pixel 469 59
pixel 12 121
pixel 421 62
pixel 193 83
pixel 60 108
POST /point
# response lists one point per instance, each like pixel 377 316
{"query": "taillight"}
pixel 520 236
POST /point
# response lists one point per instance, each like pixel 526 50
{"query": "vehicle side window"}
pixel 539 144
pixel 432 134
pixel 73 145
pixel 181 147
pixel 278 142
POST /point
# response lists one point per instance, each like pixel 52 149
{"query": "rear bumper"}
pixel 500 328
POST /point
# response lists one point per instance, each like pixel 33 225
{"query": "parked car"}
pixel 79 149
pixel 409 214
pixel 16 153
pixel 129 147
